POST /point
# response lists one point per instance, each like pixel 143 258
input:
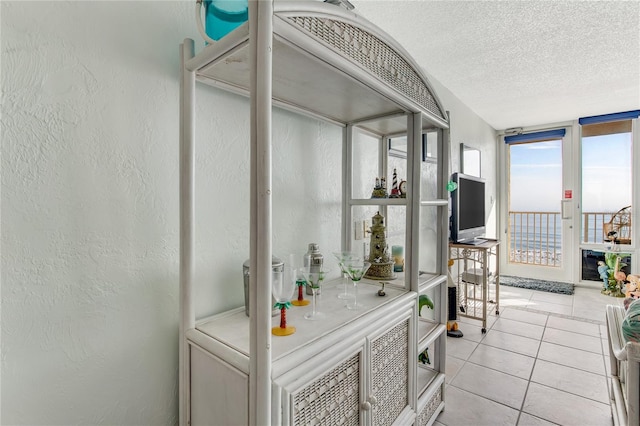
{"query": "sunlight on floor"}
pixel 543 361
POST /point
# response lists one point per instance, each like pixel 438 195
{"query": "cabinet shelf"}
pixel 394 202
pixel 378 202
pixel 428 331
pixel 434 203
pixel 428 281
pixel 427 377
pixel 232 328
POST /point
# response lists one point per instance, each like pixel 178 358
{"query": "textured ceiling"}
pixel 523 63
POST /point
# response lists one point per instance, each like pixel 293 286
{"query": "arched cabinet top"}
pixel 329 63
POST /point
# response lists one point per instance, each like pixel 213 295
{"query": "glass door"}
pixel 540 210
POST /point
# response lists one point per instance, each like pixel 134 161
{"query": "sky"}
pixel 536 175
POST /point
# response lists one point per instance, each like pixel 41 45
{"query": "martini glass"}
pixel 314 279
pixel 343 257
pixel 356 268
pixel 282 285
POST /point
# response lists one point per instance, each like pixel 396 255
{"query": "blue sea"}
pixel 544 232
pixel 536 232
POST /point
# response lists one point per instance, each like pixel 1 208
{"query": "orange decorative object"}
pixel 283 329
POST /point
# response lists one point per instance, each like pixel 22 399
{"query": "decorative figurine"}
pixel 381 264
pixel 423 300
pixel 403 189
pixel 380 190
pixel 615 276
pixel 423 357
pixel 603 271
pixel 395 192
pixel 633 287
pixel 452 324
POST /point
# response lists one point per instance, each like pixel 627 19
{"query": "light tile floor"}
pixel 543 361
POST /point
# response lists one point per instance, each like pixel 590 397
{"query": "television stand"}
pixel 472 242
pixel 476 274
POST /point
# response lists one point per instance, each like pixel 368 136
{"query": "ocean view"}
pixel 537 237
pixel 536 231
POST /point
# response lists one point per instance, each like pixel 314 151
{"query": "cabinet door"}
pixel 219 392
pixel 389 378
pixel 332 398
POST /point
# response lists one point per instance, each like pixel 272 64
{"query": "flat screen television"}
pixel 467 209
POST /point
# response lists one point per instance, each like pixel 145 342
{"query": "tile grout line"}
pixel 571 317
pixel 535 361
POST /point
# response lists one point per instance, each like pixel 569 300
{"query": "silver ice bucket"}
pixel 276 265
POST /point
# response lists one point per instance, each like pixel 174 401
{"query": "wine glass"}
pixel 342 257
pixel 356 268
pixel 283 285
pixel 296 266
pixel 314 279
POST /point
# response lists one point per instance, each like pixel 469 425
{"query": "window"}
pixel 606 157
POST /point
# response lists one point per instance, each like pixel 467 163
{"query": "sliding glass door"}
pixel 568 196
pixel 539 219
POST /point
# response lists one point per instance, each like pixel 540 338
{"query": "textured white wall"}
pixel 468 128
pixel 89 211
pixel 90 207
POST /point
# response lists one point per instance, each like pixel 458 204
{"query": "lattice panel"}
pixel 332 399
pixel 390 373
pixel 430 408
pixel 373 54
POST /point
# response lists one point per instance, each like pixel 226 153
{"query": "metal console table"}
pixel 476 274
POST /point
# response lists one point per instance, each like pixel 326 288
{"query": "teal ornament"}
pixel 451 186
pixel 285 305
pixel 423 357
pixel 424 300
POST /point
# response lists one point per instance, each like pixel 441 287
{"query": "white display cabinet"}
pixel 355 367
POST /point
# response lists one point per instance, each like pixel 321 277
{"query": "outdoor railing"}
pixel 592 224
pixel 535 238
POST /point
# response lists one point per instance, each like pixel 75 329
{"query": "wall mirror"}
pixel 398 146
pixel 469 160
pixel 430 146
